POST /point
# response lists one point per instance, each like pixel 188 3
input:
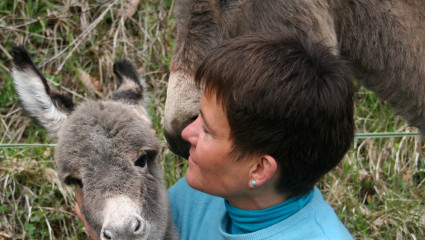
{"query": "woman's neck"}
pixel 257 199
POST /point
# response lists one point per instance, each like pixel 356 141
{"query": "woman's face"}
pixel 211 167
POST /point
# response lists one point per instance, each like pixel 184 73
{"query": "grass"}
pixel 378 190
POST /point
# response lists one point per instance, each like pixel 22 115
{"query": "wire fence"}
pixel 357 135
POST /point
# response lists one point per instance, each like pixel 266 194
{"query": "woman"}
pixel 275 116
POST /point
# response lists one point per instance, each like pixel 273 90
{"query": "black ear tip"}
pixel 19 48
pixel 124 68
pixel 21 57
pixel 123 62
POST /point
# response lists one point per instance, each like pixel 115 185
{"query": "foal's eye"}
pixel 74 181
pixel 142 162
pixel 80 183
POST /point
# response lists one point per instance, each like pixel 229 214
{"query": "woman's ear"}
pixel 264 168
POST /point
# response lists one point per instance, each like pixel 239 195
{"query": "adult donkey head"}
pixel 107 147
pixel 384 41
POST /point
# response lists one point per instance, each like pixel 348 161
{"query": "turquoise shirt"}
pixel 246 221
pixel 200 216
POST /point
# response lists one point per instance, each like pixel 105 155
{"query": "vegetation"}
pixel 378 190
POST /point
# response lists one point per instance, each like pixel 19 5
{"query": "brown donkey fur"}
pixel 383 39
pixel 108 148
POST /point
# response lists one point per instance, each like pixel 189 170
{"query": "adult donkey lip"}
pixel 177 144
pixel 386 58
pixel 180 110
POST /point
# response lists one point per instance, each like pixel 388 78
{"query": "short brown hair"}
pixel 287 97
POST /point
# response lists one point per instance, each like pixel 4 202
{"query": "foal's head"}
pixel 107 147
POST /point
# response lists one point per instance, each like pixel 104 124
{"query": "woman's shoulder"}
pixel 190 207
pixel 325 219
pixel 181 189
pixel 181 194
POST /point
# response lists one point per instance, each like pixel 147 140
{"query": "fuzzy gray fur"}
pixel 107 147
pixel 383 39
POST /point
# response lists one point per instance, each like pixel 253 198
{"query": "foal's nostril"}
pixel 126 229
pixel 107 235
pixel 137 225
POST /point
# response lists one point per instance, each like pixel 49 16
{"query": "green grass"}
pixel 378 190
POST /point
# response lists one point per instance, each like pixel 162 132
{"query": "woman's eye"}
pixel 204 129
pixel 142 161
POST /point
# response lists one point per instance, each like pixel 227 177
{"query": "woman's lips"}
pixel 191 160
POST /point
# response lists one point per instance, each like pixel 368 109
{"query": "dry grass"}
pixel 378 190
pixel 75 43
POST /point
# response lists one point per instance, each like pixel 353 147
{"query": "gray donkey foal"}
pixel 108 148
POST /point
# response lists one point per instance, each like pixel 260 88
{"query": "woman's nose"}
pixel 191 132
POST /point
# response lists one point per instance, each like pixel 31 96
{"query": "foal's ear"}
pixel 48 107
pixel 131 89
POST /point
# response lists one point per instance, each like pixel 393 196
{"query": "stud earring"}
pixel 254 183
